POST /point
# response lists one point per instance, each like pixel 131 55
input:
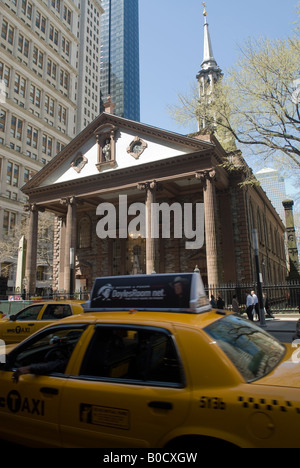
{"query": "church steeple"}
pixel 210 72
pixel 208 55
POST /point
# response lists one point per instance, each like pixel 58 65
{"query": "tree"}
pixel 9 244
pixel 257 104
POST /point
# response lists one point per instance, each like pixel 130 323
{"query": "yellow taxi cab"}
pixel 16 328
pixel 136 373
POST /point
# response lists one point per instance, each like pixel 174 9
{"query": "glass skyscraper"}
pixel 119 62
pixel 274 186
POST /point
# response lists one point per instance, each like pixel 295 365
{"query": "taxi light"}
pixel 182 292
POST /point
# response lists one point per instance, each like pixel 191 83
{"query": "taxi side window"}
pixel 134 355
pixel 47 346
pixel 30 313
pixel 56 311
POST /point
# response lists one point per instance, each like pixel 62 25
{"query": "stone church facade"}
pixel 117 159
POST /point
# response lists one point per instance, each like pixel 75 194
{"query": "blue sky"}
pixel 171 44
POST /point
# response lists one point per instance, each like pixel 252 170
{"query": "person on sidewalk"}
pixel 235 305
pixel 250 307
pixel 256 305
pixel 268 311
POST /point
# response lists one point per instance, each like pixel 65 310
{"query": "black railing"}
pixel 282 297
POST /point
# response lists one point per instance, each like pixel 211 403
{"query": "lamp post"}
pixel 72 268
pixel 259 280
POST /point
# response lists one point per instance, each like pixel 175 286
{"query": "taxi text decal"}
pixel 104 416
pixel 18 330
pixel 15 403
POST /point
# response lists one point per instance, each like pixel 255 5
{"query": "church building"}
pixel 102 188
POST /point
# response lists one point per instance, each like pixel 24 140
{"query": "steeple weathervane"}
pixel 204 12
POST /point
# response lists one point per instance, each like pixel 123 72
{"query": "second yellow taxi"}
pixel 16 328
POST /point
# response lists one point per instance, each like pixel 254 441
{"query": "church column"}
pixel 70 244
pixel 207 178
pixel 151 188
pixel 31 256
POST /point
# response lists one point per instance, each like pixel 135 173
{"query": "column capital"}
pixel 33 208
pixel 68 201
pixel 207 175
pixel 152 185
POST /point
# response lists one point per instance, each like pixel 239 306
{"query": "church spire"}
pixel 210 72
pixel 208 55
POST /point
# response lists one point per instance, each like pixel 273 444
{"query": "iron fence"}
pixel 282 297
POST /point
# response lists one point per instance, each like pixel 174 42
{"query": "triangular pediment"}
pixel 110 144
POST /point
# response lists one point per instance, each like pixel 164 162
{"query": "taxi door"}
pixel 29 409
pixel 22 325
pixel 130 391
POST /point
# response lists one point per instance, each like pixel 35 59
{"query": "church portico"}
pixel 181 181
pixel 171 180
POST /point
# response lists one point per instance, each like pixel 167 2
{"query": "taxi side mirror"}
pixel 12 318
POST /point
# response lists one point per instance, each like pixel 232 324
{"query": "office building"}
pixel 120 76
pixel 274 186
pixel 88 64
pixel 49 81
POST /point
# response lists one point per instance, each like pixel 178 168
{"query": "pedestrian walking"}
pixel 220 303
pixel 256 305
pixel 235 305
pixel 213 302
pixel 250 307
pixel 268 311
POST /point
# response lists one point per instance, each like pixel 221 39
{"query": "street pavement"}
pixel 283 327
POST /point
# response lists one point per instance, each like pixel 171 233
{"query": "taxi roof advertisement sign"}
pixel 181 292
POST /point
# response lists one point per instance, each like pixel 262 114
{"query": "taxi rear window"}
pixel 254 352
pixel 133 355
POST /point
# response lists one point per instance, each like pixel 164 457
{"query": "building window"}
pixel 62 114
pixel 47 145
pixel 12 174
pixel 16 128
pixel 23 45
pixel 2 120
pixel 7 32
pixel 5 74
pixel 26 175
pixel 9 222
pixel 32 136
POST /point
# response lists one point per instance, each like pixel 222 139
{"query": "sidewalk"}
pixel 282 322
pixel 283 326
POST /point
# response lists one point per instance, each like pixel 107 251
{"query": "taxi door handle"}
pixel 164 405
pixel 30 324
pixel 49 391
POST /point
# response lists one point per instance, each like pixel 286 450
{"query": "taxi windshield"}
pixel 254 352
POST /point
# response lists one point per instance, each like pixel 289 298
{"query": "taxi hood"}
pixel 287 373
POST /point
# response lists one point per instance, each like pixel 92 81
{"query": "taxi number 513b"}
pixel 214 403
